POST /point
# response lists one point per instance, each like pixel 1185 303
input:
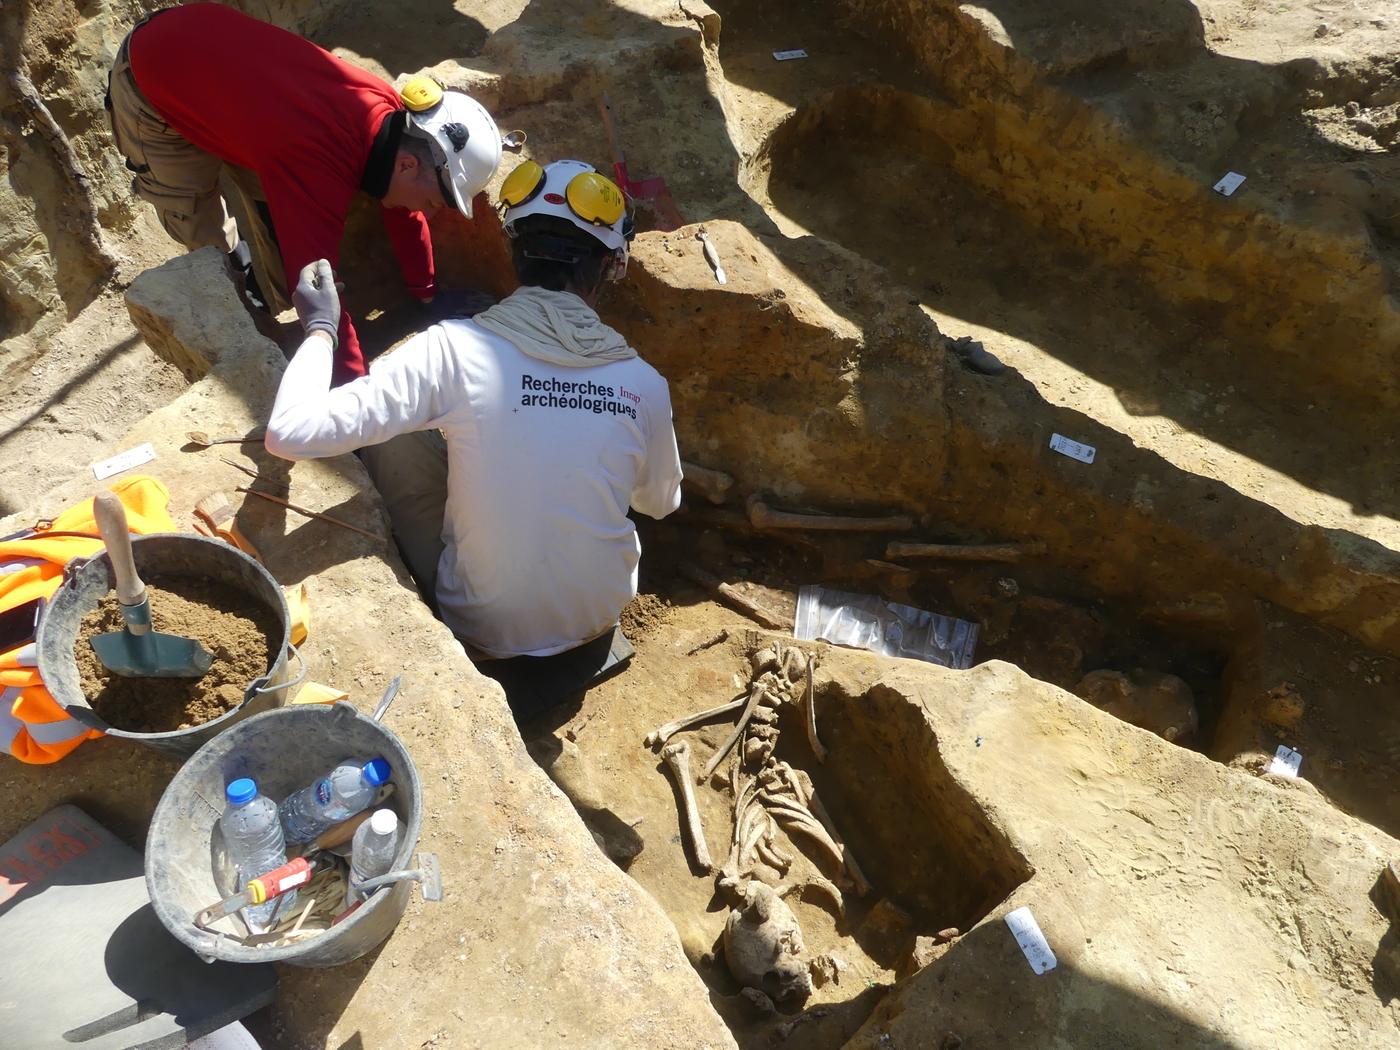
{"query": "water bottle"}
pixel 253 835
pixel 347 789
pixel 376 841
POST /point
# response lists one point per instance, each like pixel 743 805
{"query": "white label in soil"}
pixel 132 457
pixel 1232 181
pixel 1286 761
pixel 788 56
pixel 1073 449
pixel 1033 943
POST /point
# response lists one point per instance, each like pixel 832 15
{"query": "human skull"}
pixel 763 946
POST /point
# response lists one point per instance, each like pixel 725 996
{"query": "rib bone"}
pixel 815 881
pixel 677 757
pixel 670 729
pixel 770 854
pixel 800 784
pixel 793 817
pixel 756 694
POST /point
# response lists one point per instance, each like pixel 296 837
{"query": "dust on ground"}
pixel 237 630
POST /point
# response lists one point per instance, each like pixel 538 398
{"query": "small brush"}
pixel 216 512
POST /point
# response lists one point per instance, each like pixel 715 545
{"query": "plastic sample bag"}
pixel 867 621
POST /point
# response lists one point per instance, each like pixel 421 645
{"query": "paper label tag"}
pixel 1229 184
pixel 788 56
pixel 1286 761
pixel 1073 449
pixel 1033 943
pixel 132 457
pixel 294 880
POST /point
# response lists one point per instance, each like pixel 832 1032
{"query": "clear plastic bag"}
pixel 867 621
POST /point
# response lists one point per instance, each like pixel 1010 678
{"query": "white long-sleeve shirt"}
pixel 543 462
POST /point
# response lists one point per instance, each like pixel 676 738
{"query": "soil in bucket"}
pixel 238 630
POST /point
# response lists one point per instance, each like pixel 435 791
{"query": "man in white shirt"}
pixel 551 427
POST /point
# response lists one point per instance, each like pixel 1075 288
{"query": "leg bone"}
pixel 677 757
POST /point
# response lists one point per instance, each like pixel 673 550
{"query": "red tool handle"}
pixel 259 890
pixel 279 880
pixel 619 158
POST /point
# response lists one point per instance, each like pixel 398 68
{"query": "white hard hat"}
pixel 572 190
pixel 465 142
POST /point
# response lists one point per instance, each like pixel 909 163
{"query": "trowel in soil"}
pixel 136 651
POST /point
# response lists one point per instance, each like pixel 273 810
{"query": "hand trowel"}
pixel 136 651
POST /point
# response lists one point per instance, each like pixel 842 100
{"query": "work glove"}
pixel 316 300
pixel 458 302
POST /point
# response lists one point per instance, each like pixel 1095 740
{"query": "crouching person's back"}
pixel 508 447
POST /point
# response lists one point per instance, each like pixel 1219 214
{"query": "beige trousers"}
pixel 410 472
pixel 189 187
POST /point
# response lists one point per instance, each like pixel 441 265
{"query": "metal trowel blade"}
pixel 152 655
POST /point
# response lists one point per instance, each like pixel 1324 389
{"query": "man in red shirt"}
pixel 202 92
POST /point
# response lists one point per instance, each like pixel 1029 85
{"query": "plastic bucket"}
pixel 284 751
pixel 88 582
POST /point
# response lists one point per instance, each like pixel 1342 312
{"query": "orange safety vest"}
pixel 33 726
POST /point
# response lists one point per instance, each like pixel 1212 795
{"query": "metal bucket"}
pixel 284 751
pixel 87 582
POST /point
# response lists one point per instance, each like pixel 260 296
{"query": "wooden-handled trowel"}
pixel 136 651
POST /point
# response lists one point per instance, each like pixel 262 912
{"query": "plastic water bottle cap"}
pixel 376 771
pixel 384 822
pixel 241 791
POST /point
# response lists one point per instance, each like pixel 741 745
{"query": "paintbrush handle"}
pixel 614 146
pixel 107 509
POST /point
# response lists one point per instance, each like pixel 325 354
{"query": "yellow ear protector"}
pixel 420 93
pixel 592 197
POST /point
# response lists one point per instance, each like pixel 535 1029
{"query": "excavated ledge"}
pixel 1188 904
pixel 778 378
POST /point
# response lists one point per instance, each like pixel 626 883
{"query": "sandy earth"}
pixel 231 628
pixel 1034 177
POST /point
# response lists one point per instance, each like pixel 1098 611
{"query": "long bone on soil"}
pixel 677 757
pixel 818 749
pixel 670 729
pixel 763 516
pixel 757 691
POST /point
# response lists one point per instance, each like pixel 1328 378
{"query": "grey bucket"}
pixel 87 582
pixel 284 751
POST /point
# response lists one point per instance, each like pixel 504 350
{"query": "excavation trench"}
pixel 933 855
pixel 933 858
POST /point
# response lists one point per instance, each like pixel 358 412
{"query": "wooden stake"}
pixel 309 513
pixel 734 597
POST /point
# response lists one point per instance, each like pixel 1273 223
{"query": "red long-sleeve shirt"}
pixel 268 100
